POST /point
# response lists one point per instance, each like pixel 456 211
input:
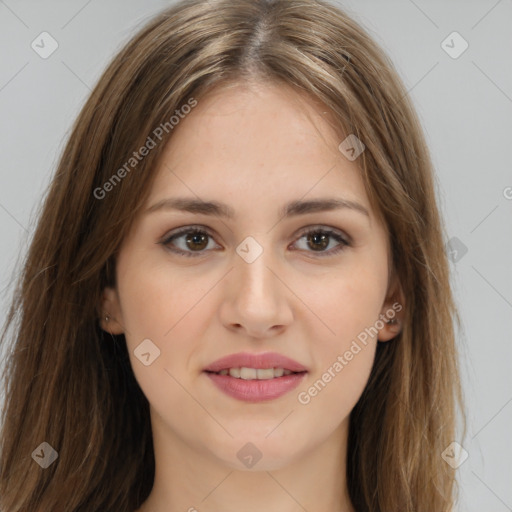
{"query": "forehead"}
pixel 255 143
pixel 257 116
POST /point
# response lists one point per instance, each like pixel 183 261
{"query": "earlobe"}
pixel 110 319
pixel 390 330
pixel 392 313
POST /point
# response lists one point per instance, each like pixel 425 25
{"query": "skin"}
pixel 255 147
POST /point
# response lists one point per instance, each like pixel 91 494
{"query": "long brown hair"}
pixel 70 384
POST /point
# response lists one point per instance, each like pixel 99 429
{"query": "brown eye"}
pixel 318 240
pixel 197 241
pixel 193 241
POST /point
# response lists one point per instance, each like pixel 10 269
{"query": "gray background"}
pixel 465 105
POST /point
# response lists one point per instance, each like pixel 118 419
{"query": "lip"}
pixel 256 390
pixel 258 361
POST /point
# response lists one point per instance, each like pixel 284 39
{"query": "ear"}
pixel 392 312
pixel 111 318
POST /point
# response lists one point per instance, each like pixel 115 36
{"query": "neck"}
pixel 189 478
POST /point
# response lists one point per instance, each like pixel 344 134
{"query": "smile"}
pixel 255 373
pixel 255 377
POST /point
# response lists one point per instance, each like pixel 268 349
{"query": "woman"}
pixel 237 294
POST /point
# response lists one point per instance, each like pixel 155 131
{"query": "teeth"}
pixel 248 373
pixel 278 372
pixel 234 372
pixel 253 373
pixel 265 373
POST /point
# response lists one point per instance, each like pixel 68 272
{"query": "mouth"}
pixel 252 377
pixel 246 373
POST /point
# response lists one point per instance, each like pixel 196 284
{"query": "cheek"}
pixel 156 300
pixel 344 354
pixel 148 303
pixel 327 400
pixel 349 307
pixel 346 300
pixel 170 310
pixel 346 357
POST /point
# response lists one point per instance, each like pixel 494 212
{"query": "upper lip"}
pixel 258 361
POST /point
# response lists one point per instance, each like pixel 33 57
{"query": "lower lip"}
pixel 256 390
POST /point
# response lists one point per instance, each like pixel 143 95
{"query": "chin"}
pixel 249 452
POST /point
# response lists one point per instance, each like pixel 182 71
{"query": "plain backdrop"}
pixel 464 101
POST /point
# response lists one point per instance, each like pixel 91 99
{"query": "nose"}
pixel 256 297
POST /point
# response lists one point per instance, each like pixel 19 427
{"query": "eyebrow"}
pixel 291 209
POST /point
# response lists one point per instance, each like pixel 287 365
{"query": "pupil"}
pixel 323 239
pixel 197 238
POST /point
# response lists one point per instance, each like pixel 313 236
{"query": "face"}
pixel 196 286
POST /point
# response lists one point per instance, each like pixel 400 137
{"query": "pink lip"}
pixel 264 360
pixel 256 390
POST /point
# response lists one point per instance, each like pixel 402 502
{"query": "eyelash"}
pixel 194 230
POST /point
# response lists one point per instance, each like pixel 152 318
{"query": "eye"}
pixel 194 241
pixel 320 238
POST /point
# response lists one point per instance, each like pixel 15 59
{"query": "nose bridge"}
pixel 255 298
pixel 257 258
pixel 258 289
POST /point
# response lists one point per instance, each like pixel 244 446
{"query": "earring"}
pixel 393 321
pixel 107 318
